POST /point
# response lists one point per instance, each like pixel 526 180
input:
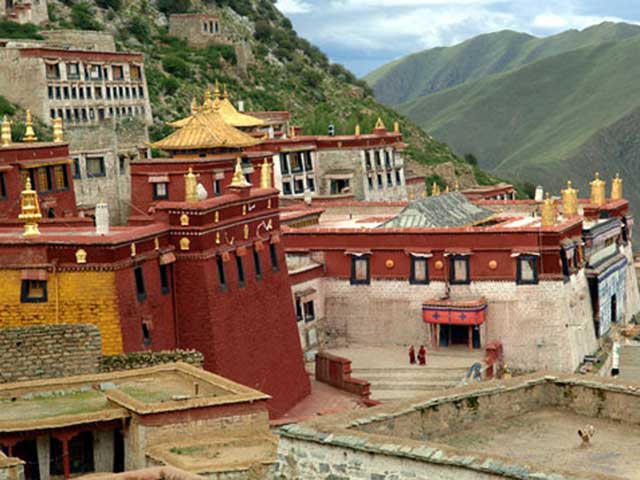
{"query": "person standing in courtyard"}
pixel 422 355
pixel 412 355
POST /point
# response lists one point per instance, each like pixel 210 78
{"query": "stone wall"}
pixel 130 361
pixel 48 351
pixel 80 39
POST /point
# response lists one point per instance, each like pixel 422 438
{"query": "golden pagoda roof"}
pixel 206 129
pixel 226 109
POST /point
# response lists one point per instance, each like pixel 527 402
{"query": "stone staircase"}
pixel 630 362
pixel 393 378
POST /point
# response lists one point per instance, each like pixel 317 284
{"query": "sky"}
pixel 365 34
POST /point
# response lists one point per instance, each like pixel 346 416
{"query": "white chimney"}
pixel 241 105
pixel 539 194
pixel 102 219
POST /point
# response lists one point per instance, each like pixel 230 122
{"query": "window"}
pixel 311 184
pixel 299 314
pixel 3 186
pixel 275 266
pixel 566 271
pixel 44 179
pixel 50 91
pixel 387 159
pixel 419 271
pixel 339 186
pixel 65 92
pixel 398 178
pixel 367 159
pixel 160 191
pixel 58 93
pixel 257 265
pixel 141 92
pixel 296 162
pixel 53 71
pixel 298 185
pixel 308 163
pixel 146 335
pixel 527 270
pixel 81 92
pixel 34 291
pixel 136 72
pixel 140 288
pixel 74 92
pixel 217 188
pixel 164 279
pixel 118 72
pixel 247 177
pixel 108 92
pixel 60 175
pixel 75 168
pixel 95 72
pixel 379 181
pixel 378 161
pixel 240 268
pixel 309 312
pixel 284 165
pixel 389 179
pixel 222 277
pixel 360 270
pixel 286 188
pixel 95 167
pixel 89 92
pixel 370 181
pixel 460 270
pixel 122 165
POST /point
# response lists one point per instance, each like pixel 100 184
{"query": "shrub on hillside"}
pixel 6 107
pixel 10 29
pixel 139 28
pixel 176 66
pixel 174 6
pixel 83 17
pixel 112 4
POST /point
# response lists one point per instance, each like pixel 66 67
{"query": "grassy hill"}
pixel 438 69
pixel 287 72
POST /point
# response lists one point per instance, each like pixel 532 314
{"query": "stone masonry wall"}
pixel 130 361
pixel 48 351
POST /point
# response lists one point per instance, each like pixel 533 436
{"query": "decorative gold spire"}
pixel 616 188
pixel 29 134
pixel 569 200
pixel 396 127
pixel 292 132
pixel 446 189
pixel 5 136
pixel 357 130
pixel 456 186
pixel 225 93
pixel 380 125
pixel 216 90
pixel 191 186
pixel 598 191
pixel 194 106
pixel 239 179
pixel 265 175
pixel 29 210
pixel 58 136
pixel 549 213
pixel 435 189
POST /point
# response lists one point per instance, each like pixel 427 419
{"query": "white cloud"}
pixel 293 6
pixel 551 21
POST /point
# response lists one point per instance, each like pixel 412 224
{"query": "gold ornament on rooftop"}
pixel 5 136
pixel 598 191
pixel 435 189
pixel 81 256
pixel 616 188
pixel 194 106
pixel 549 213
pixel 29 210
pixel 380 125
pixel 569 200
pixel 29 134
pixel 239 179
pixel 396 127
pixel 357 133
pixel 58 135
pixel 456 186
pixel 191 186
pixel 265 175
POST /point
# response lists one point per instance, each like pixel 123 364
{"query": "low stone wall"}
pixel 131 361
pixel 48 351
pixel 336 371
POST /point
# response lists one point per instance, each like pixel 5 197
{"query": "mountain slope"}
pixel 437 69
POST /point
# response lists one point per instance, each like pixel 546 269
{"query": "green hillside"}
pixel 438 69
pixel 286 72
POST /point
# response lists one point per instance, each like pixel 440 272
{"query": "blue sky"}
pixel 364 34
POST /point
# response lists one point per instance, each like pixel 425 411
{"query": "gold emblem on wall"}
pixel 81 256
pixel 217 238
pixel 184 220
pixel 269 203
pixel 216 217
pixel 246 231
pixel 389 264
pixel 156 244
pixel 439 265
pixel 133 250
pixel 493 264
pixel 185 244
pixel 244 209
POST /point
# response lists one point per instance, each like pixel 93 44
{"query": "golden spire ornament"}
pixel 456 186
pixel 5 135
pixel 549 213
pixel 216 90
pixel 598 191
pixel 569 200
pixel 58 136
pixel 435 189
pixel 29 210
pixel 357 133
pixel 396 127
pixel 265 175
pixel 191 186
pixel 239 179
pixel 29 134
pixel 225 93
pixel 194 106
pixel 380 125
pixel 616 188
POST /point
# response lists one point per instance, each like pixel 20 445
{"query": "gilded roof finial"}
pixel 225 94
pixel 598 191
pixel 265 175
pixel 191 186
pixel 380 125
pixel 357 130
pixel 396 126
pixel 292 132
pixel 29 210
pixel 569 200
pixel 549 214
pixel 29 134
pixel 58 136
pixel 456 186
pixel 216 90
pixel 446 189
pixel 194 106
pixel 239 179
pixel 435 189
pixel 616 188
pixel 5 136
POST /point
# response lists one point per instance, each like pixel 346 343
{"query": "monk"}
pixel 422 355
pixel 412 355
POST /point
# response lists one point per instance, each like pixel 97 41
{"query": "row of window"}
pixel 373 158
pixel 305 311
pixel 97 93
pixel 52 178
pixel 210 26
pixel 298 186
pixel 77 115
pixel 296 162
pixel 94 166
pixel 459 271
pixel 379 180
pixel 75 71
pixel 257 264
pixel 3 186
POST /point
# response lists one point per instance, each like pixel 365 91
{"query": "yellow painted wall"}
pixel 85 297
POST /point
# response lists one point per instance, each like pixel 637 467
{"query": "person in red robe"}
pixel 412 355
pixel 422 355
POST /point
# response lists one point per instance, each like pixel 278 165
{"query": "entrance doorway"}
pixel 451 335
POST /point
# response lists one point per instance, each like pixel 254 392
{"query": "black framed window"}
pixel 256 264
pixel 284 165
pixel 311 184
pixel 3 186
pixel 298 185
pixel 75 168
pixel 217 188
pixel 299 314
pixel 160 191
pixel 240 268
pixel 34 291
pixel 367 159
pixel 308 163
pixel 566 271
pixel 360 272
pixel 273 251
pixel 165 284
pixel 286 188
pixel 459 274
pixel 309 311
pixel 370 181
pixel 398 178
pixel 141 291
pixel 527 270
pixel 419 270
pixel 96 167
pixel 222 277
pixel 146 335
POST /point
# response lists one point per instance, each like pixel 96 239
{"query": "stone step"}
pixel 425 378
pixel 410 370
pixel 391 395
pixel 413 386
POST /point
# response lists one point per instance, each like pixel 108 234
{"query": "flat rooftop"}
pixel 523 428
